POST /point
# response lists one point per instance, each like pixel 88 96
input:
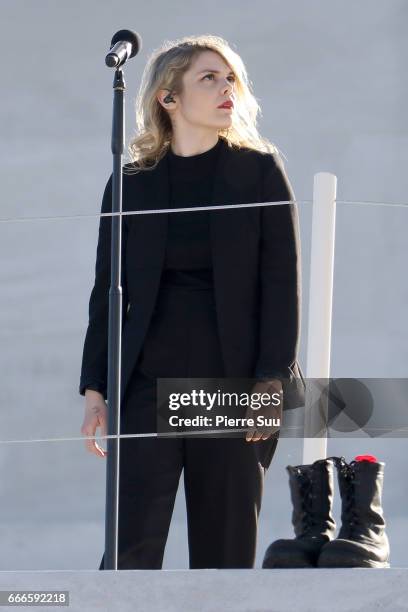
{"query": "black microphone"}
pixel 124 45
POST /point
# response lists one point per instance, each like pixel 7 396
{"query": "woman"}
pixel 205 294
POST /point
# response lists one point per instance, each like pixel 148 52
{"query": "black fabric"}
pixel 188 259
pixel 223 476
pixel 257 270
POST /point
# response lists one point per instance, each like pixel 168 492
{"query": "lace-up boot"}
pixel 311 488
pixel 361 541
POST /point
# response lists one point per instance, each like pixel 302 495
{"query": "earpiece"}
pixel 168 98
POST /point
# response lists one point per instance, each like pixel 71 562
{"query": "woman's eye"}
pixel 210 74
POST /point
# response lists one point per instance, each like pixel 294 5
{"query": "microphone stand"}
pixel 115 328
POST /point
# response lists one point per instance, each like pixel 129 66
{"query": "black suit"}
pixel 256 267
pixel 246 325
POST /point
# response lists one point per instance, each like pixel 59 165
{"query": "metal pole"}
pixel 115 326
pixel 320 314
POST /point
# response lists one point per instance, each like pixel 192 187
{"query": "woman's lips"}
pixel 226 104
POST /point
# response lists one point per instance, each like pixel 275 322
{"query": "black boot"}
pixel 362 541
pixel 311 488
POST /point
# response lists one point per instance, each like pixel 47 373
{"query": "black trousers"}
pixel 223 476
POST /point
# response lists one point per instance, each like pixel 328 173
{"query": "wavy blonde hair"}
pixel 164 70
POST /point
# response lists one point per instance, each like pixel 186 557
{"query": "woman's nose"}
pixel 228 86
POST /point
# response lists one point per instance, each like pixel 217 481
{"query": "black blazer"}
pixel 256 267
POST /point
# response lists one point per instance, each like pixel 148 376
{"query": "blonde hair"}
pixel 164 70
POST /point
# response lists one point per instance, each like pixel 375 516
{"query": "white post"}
pixel 320 310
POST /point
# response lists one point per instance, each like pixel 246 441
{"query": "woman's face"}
pixel 208 83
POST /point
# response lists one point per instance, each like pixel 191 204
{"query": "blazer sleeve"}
pixel 280 276
pixel 94 368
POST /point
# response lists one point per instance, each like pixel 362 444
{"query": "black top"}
pixel 188 252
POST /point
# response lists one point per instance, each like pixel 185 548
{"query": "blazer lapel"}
pixel 151 229
pixel 229 241
pixel 225 225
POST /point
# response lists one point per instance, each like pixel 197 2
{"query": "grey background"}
pixel 330 79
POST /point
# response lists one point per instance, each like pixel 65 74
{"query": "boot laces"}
pixel 305 475
pixel 348 473
pixel 306 495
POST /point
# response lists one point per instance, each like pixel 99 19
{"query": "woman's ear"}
pixel 165 98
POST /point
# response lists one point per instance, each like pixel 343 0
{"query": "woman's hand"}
pixel 269 409
pixel 96 415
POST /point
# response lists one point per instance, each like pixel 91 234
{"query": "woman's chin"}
pixel 224 124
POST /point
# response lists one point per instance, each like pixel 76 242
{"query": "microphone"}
pixel 124 45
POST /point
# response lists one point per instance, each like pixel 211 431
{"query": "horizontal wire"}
pixel 194 209
pixel 396 204
pixel 146 212
pixel 170 210
pixel 142 435
pixel 175 434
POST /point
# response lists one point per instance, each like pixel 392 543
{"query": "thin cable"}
pixel 145 212
pixel 396 204
pixel 197 209
pixel 175 434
